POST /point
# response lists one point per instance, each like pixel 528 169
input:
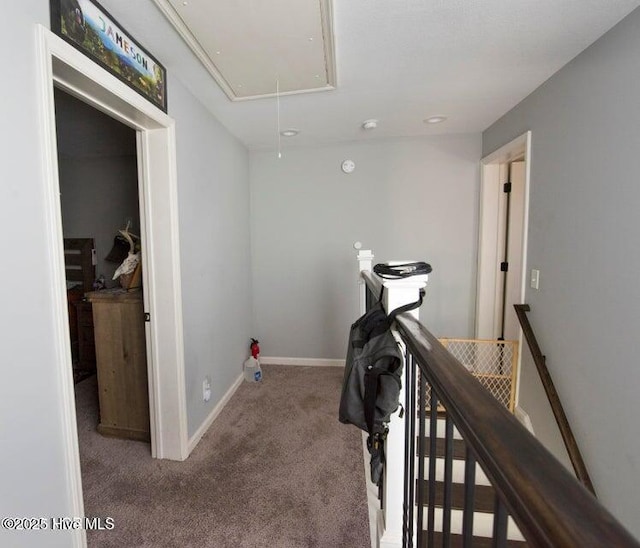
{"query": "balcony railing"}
pixel 469 474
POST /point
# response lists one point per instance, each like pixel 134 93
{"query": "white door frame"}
pixel 62 65
pixel 491 168
pixel 489 251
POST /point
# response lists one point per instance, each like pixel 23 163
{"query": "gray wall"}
pixel 213 194
pixel 407 199
pixel 98 177
pixel 533 399
pixel 98 195
pixel 214 208
pixel 585 125
pixel 32 471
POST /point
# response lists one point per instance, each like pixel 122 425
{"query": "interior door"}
pixel 512 243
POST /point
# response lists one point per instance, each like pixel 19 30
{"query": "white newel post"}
pixel 389 521
pixel 365 262
pixel 397 293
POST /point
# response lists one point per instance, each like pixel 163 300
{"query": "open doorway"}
pixel 502 246
pixel 504 198
pixel 98 174
pixel 62 66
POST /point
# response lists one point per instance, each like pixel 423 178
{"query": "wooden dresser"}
pixel 121 363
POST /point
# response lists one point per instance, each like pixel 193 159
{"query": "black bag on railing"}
pixel 371 385
pixel 402 270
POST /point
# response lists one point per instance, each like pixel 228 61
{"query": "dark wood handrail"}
pixel 550 507
pixel 568 438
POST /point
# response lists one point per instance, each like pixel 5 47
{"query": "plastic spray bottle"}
pixel 252 369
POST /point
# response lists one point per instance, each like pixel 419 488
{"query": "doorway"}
pixel 98 177
pixel 504 204
pixel 62 66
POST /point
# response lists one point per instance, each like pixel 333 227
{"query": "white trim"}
pixel 59 297
pixel 314 362
pixel 67 68
pixel 197 436
pixel 183 31
pixel 517 149
pixel 165 295
pixel 524 418
pixel 511 151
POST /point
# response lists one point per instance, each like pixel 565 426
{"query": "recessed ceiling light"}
pixel 289 132
pixel 370 124
pixel 435 119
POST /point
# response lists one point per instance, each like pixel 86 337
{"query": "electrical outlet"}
pixel 206 389
pixel 535 279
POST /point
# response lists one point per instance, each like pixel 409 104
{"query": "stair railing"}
pixel 568 438
pixel 534 494
pixel 546 502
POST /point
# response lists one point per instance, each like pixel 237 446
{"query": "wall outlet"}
pixel 206 389
pixel 535 279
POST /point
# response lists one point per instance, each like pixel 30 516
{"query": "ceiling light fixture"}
pixel 291 132
pixel 370 124
pixel 435 119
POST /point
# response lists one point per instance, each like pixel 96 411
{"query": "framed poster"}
pixel 87 26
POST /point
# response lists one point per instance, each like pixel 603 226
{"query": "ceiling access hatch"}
pixel 254 48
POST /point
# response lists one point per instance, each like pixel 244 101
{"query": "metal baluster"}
pixel 410 448
pixel 433 434
pixel 448 480
pixel 421 456
pixel 500 521
pixel 469 498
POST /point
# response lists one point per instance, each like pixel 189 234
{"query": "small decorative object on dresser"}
pixel 129 273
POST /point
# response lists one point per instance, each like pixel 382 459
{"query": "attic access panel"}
pixel 247 45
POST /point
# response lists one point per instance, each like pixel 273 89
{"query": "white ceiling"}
pixel 399 61
pixel 256 49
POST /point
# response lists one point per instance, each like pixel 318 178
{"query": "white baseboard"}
pixel 316 362
pixel 197 436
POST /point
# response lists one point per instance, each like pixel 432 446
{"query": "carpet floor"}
pixel 276 469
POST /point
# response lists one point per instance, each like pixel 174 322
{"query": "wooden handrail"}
pixel 550 507
pixel 568 438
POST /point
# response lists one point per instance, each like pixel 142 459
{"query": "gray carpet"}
pixel 276 469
